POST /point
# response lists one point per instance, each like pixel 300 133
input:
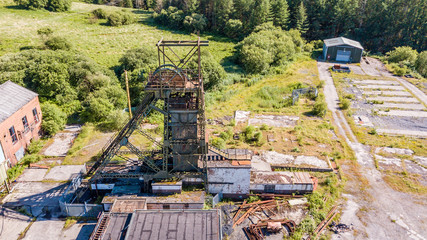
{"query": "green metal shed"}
pixel 342 49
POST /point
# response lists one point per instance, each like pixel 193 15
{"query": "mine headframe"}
pixel 176 91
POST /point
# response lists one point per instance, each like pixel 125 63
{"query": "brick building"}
pixel 20 121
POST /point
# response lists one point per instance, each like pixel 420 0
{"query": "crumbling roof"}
pixel 12 98
pixel 281 178
pixel 342 41
pixel 116 227
pixel 170 224
pixel 184 197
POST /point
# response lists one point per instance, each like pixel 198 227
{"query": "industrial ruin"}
pixel 150 180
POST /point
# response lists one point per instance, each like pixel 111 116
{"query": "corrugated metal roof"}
pixel 12 98
pixel 342 41
pixel 179 225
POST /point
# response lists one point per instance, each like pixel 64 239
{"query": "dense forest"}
pixel 379 24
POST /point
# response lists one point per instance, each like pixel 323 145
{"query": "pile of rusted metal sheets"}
pixel 254 231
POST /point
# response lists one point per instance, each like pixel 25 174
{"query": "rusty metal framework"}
pixel 184 148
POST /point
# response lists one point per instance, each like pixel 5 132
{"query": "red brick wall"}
pixel 24 138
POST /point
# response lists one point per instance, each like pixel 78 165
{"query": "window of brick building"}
pixel 25 123
pixel 36 117
pixel 13 134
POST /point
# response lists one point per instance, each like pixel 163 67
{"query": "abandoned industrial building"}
pixel 342 49
pixel 161 193
pixel 20 122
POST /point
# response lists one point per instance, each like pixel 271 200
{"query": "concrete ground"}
pixel 39 198
pixel 32 175
pixel 62 141
pixel 12 223
pixel 274 120
pixel 376 210
pixel 64 172
pixel 53 229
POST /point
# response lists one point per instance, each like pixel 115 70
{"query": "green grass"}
pixel 104 44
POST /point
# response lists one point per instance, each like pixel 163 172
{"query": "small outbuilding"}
pixel 342 49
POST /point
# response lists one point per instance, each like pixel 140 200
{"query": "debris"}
pixel 241 116
pixel 340 227
pixel 326 221
pixel 254 231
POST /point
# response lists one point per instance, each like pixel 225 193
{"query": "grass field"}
pixel 104 44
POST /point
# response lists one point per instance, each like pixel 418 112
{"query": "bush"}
pixel 30 158
pixel 138 58
pixel 115 120
pixel 317 44
pixel 320 107
pixel 35 146
pixel 53 118
pixel 120 18
pixel 51 5
pixel 100 13
pixel 233 28
pixel 421 64
pixel 58 43
pixel 218 143
pixel 195 22
pixel 226 135
pixel 402 54
pixel 269 46
pixel 15 172
pixel 59 5
pixel 344 103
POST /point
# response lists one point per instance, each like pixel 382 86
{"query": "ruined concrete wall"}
pixel 229 181
pixel 283 188
pixel 174 206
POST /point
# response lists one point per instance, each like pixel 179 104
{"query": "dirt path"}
pixel 377 212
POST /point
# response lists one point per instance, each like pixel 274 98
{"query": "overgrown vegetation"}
pixel 51 5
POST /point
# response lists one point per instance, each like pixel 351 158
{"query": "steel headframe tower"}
pixel 184 148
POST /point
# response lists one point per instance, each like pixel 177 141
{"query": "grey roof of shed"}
pixel 12 98
pixel 170 224
pixel 342 41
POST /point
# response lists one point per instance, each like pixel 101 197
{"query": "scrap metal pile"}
pixel 269 208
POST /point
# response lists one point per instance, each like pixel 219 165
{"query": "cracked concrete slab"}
pixel 388 93
pixel 32 175
pixel 64 172
pixel 274 120
pixel 393 99
pixel 388 87
pixel 13 223
pixel 402 113
pixel 376 82
pixel 403 132
pixel 55 228
pixel 420 159
pixel 400 151
pixel 400 106
pixel 241 116
pixel 414 168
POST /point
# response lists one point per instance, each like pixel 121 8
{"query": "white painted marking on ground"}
pixel 393 99
pixel 391 87
pixel 402 113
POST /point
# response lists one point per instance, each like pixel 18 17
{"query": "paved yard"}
pixel 12 223
pixel 64 172
pixel 53 229
pixel 32 175
pixel 62 141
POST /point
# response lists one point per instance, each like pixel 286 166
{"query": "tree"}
pixel 421 64
pixel 260 13
pixel 53 118
pixel 59 5
pixel 58 43
pixel 222 12
pixel 280 13
pixel 301 18
pixel 138 58
pixel 403 54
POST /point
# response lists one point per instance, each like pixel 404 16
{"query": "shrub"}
pixel 120 18
pixel 421 64
pixel 320 107
pixel 44 32
pixel 226 135
pixel 53 118
pixel 31 158
pixel 344 103
pixel 58 43
pixel 308 47
pixel 115 120
pixel 233 28
pixel 317 44
pixel 35 146
pixel 100 13
pixel 268 46
pixel 138 58
pixel 195 22
pixel 218 143
pixel 402 54
pixel 212 71
pixel 15 171
pixel 59 5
